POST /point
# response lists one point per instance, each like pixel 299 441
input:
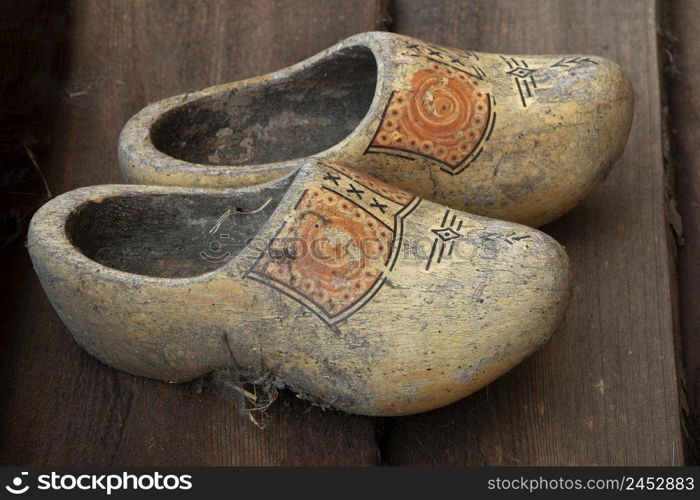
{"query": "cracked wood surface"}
pixel 683 32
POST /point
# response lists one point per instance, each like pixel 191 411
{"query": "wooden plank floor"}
pixel 605 390
pixel 682 34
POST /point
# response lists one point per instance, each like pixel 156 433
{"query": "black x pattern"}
pixel 380 206
pixel 355 191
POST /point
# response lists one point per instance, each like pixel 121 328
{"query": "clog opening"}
pixel 170 235
pixel 299 115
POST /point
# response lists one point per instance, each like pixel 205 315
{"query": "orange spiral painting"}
pixel 443 116
pixel 332 253
pixel 335 250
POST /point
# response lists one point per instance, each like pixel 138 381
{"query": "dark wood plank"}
pixel 58 405
pixel 32 37
pixel 604 390
pixel 683 37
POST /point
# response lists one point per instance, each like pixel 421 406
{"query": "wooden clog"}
pixel 355 294
pixel 520 138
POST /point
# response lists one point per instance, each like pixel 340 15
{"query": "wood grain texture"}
pixel 683 31
pixel 58 405
pixel 604 390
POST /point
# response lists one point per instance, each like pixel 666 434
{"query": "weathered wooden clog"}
pixel 355 294
pixel 520 138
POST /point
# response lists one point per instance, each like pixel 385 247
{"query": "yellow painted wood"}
pixel 404 305
pixel 521 138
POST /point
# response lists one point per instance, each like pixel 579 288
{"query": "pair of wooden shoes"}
pixel 349 226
